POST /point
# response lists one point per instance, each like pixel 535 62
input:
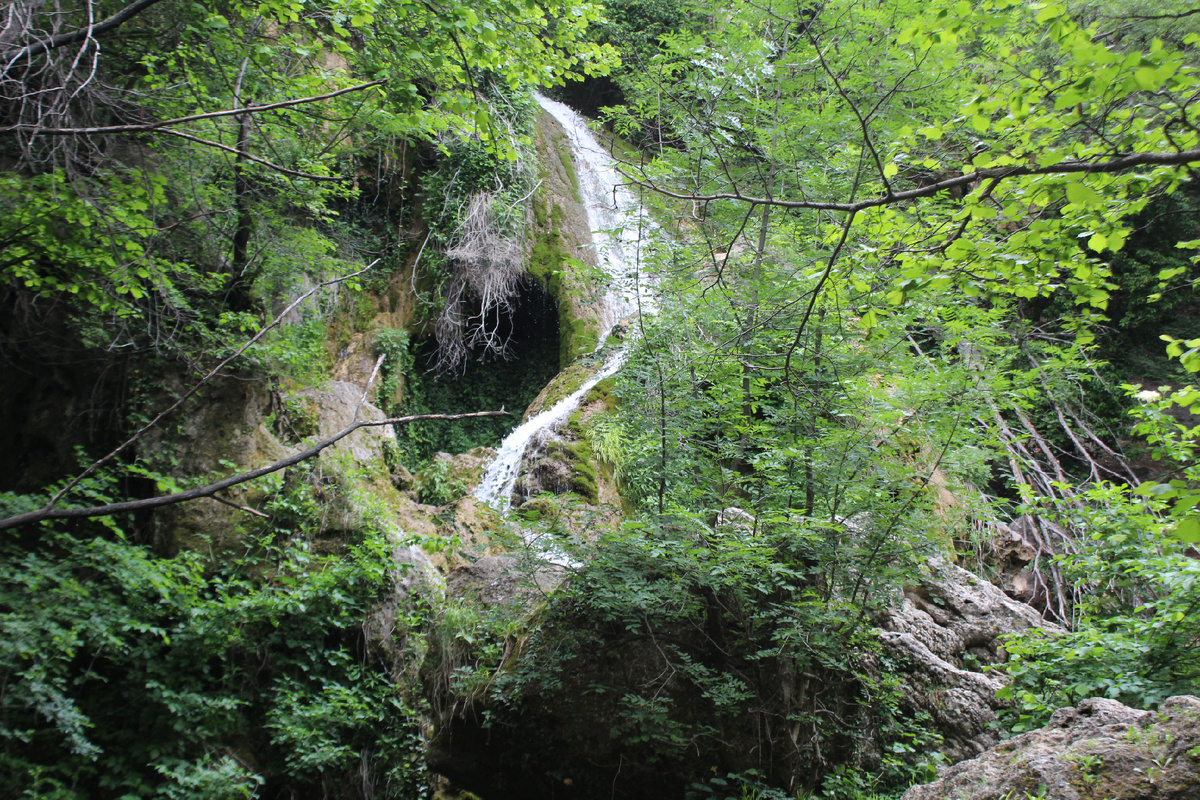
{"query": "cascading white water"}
pixel 618 228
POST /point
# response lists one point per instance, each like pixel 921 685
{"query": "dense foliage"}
pixel 154 216
pixel 127 674
pixel 908 255
pixel 899 232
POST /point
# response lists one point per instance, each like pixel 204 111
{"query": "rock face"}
pixel 226 424
pixel 944 632
pixel 574 732
pixel 560 237
pixel 1019 547
pixel 499 580
pixel 1100 750
pixel 333 408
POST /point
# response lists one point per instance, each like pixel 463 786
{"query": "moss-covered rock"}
pixel 560 255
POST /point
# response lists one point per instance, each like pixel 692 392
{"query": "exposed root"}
pixel 487 270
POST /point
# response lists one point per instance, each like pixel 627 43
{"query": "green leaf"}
pixel 1188 529
pixel 1083 195
pixel 1147 79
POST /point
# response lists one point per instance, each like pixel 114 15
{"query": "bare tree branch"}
pixel 103 26
pixel 1118 164
pixel 150 127
pixel 212 488
pixel 1180 15
pixel 251 157
pixel 816 293
pixel 240 507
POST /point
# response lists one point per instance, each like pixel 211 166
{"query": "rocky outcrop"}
pixel 504 580
pixel 245 426
pixel 225 424
pixel 576 721
pixel 1020 549
pixel 333 408
pixel 946 629
pixel 1099 750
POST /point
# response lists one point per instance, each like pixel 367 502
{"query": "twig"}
pixel 103 26
pixel 247 509
pixel 150 127
pixel 212 488
pixel 251 157
pixel 196 387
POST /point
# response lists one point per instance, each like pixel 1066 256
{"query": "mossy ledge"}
pixel 559 251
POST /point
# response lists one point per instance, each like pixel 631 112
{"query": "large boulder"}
pixel 597 709
pixel 1100 750
pixel 946 629
pixel 332 408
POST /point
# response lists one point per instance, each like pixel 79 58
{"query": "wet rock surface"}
pixel 1099 750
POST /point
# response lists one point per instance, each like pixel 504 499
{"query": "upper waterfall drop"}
pixel 618 227
pixel 615 218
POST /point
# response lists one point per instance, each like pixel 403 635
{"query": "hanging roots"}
pixel 486 272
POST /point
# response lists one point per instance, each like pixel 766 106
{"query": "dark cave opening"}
pixel 488 380
pixel 590 94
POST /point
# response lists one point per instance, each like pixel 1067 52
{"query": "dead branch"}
pixel 212 488
pixel 104 26
pixel 151 127
pixel 240 507
pixel 487 268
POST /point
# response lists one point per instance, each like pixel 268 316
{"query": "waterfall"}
pixel 617 226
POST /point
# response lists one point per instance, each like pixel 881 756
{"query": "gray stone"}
pixel 1099 750
pixel 499 580
pixel 334 406
pixel 945 630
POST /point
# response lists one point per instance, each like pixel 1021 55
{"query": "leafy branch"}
pixel 1113 165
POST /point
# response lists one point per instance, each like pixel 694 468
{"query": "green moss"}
pixel 567 381
pixel 583 337
pixel 539 209
pixel 622 148
pixel 539 508
pixel 602 393
pixel 584 481
pixel 548 262
pixel 355 314
pixel 564 155
pixel 550 258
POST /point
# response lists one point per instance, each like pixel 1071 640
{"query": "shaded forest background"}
pixel 926 273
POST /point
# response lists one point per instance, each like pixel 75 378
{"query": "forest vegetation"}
pixel 927 275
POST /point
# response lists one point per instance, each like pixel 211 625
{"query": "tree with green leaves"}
pixel 895 229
